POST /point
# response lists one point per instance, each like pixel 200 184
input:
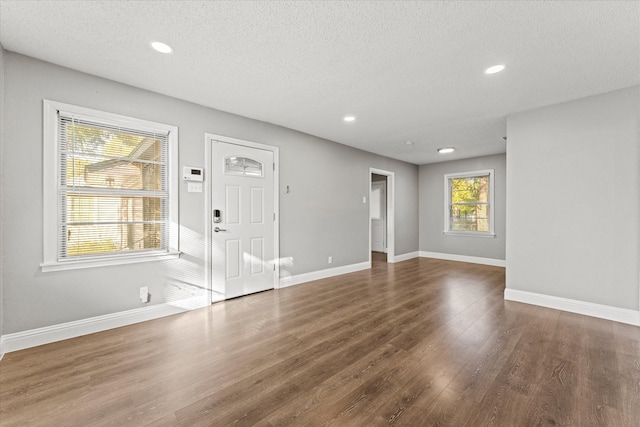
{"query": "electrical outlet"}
pixel 144 294
pixel 330 260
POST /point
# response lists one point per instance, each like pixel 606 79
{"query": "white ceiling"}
pixel 406 70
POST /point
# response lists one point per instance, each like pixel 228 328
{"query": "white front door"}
pixel 378 204
pixel 243 216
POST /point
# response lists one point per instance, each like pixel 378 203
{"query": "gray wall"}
pixel 431 185
pixel 1 188
pixel 573 199
pixel 322 216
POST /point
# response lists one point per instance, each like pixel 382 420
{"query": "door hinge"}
pixel 274 216
pixel 274 267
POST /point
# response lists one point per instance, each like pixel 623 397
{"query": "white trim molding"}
pixel 404 257
pixel 464 258
pixel 73 265
pixel 470 234
pixel 622 315
pixel 298 279
pixel 63 331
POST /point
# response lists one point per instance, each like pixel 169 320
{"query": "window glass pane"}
pixel 113 173
pixel 469 203
pixel 94 156
pixel 105 224
pixel 466 217
pixel 84 139
pixel 112 238
pixel 471 189
pixel 123 164
pixel 243 166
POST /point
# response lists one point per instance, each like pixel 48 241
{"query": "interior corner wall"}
pixel 322 215
pixel 573 200
pixel 431 184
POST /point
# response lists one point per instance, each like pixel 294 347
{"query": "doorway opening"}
pixel 381 216
pixel 378 214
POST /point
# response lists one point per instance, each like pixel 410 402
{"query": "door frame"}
pixel 209 140
pixel 391 208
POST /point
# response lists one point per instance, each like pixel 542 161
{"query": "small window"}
pixel 242 166
pixel 109 196
pixel 469 203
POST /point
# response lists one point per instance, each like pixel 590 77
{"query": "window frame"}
pixel 52 195
pixel 447 203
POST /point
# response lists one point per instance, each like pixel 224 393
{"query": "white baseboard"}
pixel 322 274
pixel 35 337
pixel 405 257
pixel 607 312
pixel 464 258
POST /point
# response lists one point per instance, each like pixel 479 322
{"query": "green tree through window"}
pixel 469 203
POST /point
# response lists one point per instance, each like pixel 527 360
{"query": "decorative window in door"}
pixel 243 166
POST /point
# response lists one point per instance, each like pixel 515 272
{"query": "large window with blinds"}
pixel 469 203
pixel 110 186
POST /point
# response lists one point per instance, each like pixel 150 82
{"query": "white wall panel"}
pixel 233 259
pixel 257 256
pixel 232 205
pixel 257 205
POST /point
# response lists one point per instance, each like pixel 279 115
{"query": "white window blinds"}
pixel 113 189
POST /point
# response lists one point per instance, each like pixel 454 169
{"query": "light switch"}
pixel 364 199
pixel 194 187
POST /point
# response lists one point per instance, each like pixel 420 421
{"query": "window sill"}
pixel 104 262
pixel 470 234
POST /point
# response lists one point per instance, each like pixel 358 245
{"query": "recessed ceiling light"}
pixel 162 47
pixel 410 143
pixel 494 69
pixel 446 150
pixel 349 118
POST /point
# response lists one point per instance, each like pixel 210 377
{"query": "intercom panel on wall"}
pixel 192 174
pixel 194 177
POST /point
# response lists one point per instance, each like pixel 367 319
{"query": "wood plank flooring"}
pixel 418 343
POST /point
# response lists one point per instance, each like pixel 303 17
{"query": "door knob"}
pixel 218 229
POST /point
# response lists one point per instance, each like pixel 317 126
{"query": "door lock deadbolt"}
pixel 217 216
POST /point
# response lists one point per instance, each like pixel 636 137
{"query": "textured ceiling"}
pixel 406 70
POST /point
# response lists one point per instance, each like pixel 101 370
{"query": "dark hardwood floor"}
pixel 421 342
